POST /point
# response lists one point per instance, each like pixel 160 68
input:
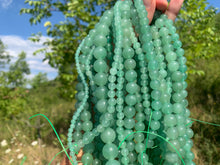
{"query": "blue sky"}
pixel 15 30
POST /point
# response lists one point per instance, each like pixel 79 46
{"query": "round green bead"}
pixel 100 66
pixel 87 158
pixel 100 40
pixel 110 151
pixel 100 52
pixel 100 79
pixel 108 136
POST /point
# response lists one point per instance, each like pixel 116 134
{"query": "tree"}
pixel 80 17
pixel 18 70
pixel 197 35
pixel 197 32
pixel 39 79
pixel 4 56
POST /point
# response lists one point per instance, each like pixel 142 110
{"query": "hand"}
pixel 171 11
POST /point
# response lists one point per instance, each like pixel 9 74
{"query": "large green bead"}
pixel 130 99
pixel 100 66
pixel 96 162
pixel 100 52
pixel 143 158
pixel 102 29
pixel 139 147
pixel 132 156
pixel 110 151
pixel 85 116
pixel 130 75
pixel 112 162
pixel 139 126
pixel 87 158
pixel 101 92
pixel 130 64
pixel 87 126
pixel 178 108
pixel 170 120
pixel 173 66
pixel 172 133
pixel 108 136
pixel 129 123
pixel 100 79
pixel 132 87
pixel 155 125
pixel 101 105
pixel 100 40
pixel 129 111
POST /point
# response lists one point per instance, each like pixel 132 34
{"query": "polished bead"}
pixel 170 120
pixel 130 64
pixel 110 151
pixel 87 158
pixel 132 87
pixel 108 136
pixel 130 99
pixel 100 79
pixel 101 105
pixel 129 111
pixel 130 75
pixel 100 66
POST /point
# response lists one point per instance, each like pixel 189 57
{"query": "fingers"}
pixel 150 7
pixel 161 5
pixel 173 9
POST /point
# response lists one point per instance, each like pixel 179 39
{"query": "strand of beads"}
pixel 134 86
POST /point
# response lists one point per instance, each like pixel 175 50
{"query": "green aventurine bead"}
pixel 101 92
pixel 100 79
pixel 110 151
pixel 100 40
pixel 100 66
pixel 108 136
pixel 130 99
pixel 112 162
pixel 87 126
pixel 101 105
pixel 87 158
pixel 130 64
pixel 131 75
pixel 132 87
pixel 100 52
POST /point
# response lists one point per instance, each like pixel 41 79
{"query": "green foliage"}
pixel 13 101
pixel 4 56
pixel 18 70
pixel 39 79
pixel 197 32
pixel 80 17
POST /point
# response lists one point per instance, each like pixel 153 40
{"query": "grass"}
pixel 204 104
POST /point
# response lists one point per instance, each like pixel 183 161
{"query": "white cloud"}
pixel 16 44
pixel 5 3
